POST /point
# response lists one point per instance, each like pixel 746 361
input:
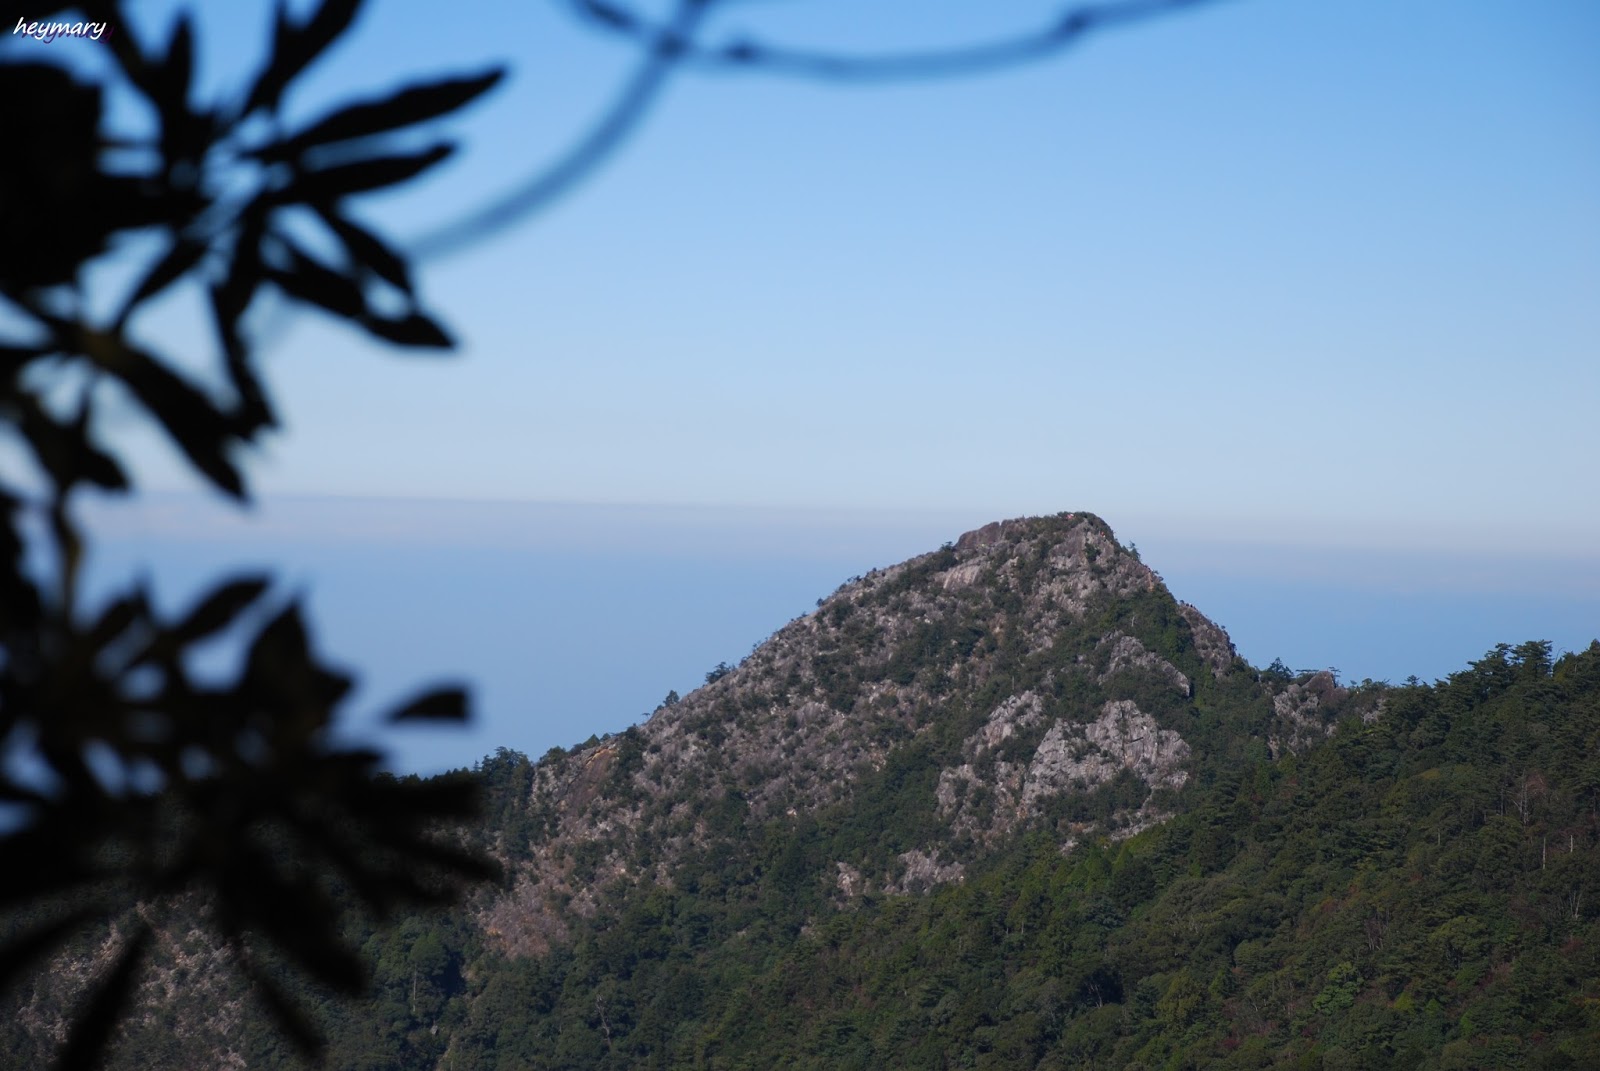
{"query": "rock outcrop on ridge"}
pixel 1036 673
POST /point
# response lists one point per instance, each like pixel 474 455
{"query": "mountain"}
pixel 1035 673
pixel 1007 804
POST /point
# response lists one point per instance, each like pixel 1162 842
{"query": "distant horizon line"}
pixel 884 534
pixel 1309 533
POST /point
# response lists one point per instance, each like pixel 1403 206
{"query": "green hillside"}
pixel 1416 892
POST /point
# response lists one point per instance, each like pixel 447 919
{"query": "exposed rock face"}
pixel 1086 756
pixel 982 797
pixel 851 883
pixel 1298 709
pixel 923 871
pixel 187 970
pixel 1128 654
pixel 890 661
pixel 989 797
pixel 1212 644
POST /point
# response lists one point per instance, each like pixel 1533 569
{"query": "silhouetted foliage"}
pixel 131 783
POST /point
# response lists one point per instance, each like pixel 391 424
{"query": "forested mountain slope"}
pixel 1005 805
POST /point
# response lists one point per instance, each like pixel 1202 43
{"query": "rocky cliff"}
pixel 1033 674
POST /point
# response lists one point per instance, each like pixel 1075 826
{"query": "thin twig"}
pixel 751 54
pixel 620 119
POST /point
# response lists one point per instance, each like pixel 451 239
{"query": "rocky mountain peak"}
pixel 1029 666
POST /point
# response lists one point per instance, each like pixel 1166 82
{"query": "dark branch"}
pixel 665 49
pixel 670 44
pixel 745 53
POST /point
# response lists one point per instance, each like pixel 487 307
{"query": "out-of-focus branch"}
pixel 1067 28
pixel 664 48
pixel 670 44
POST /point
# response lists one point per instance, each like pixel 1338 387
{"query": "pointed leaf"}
pixel 460 862
pixel 331 183
pixel 609 15
pixel 369 251
pixel 190 418
pixel 66 452
pixel 184 254
pixel 281 642
pixel 229 301
pixel 13 358
pixel 412 330
pixel 414 104
pixel 317 284
pixel 288 1015
pixel 282 676
pixel 441 704
pixel 173 77
pixel 88 1035
pixel 19 953
pixel 280 63
pixel 14 793
pixel 296 916
pixel 219 609
pixel 116 620
pixel 294 48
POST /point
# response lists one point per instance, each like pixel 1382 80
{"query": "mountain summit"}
pixel 1033 675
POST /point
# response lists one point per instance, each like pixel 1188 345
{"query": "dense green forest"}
pixel 1420 890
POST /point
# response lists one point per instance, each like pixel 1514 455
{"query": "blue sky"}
pixel 1291 292
pixel 1272 262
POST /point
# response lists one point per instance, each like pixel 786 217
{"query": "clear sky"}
pixel 1272 262
pixel 1320 277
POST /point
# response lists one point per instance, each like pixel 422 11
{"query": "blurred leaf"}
pixel 282 642
pixel 14 358
pixel 294 48
pixel 51 218
pixel 184 254
pixel 296 916
pixel 414 104
pixel 288 1014
pixel 411 801
pixel 13 793
pixel 145 75
pixel 414 329
pixel 608 14
pixel 19 952
pixel 171 85
pixel 36 865
pixel 331 183
pixel 280 668
pixel 193 421
pixel 96 466
pixel 271 776
pixel 65 452
pixel 368 251
pixel 442 704
pixel 317 284
pixel 92 1029
pixel 219 609
pixel 116 620
pixel 457 861
pixel 357 764
pixel 230 299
